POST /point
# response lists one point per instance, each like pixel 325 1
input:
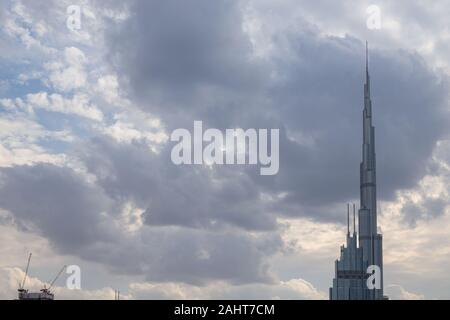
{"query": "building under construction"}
pixel 43 294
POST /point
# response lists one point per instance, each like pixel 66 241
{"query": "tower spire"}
pixel 367 85
pixel 367 57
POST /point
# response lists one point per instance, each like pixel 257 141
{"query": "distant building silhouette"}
pixel 364 248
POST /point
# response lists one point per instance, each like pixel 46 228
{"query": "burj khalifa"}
pixel 361 259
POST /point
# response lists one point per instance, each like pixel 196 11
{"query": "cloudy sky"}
pixel 86 115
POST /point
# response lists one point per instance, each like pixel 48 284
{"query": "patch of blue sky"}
pixel 16 87
pixel 56 121
pixel 55 146
pixel 80 128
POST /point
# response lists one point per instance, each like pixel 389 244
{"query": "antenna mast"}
pixel 348 218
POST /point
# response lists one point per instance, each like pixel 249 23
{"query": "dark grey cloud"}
pixel 191 256
pixel 428 209
pixel 322 99
pixel 78 218
pixel 310 86
pixel 57 202
pixel 189 59
pixel 194 196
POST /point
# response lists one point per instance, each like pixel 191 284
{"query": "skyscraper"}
pixel 363 252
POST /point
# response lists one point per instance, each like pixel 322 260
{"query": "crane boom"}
pixel 57 276
pixel 26 272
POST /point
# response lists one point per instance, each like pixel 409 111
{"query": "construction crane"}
pixel 44 293
pixel 47 290
pixel 21 286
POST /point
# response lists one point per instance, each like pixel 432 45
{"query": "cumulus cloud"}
pixel 68 74
pixel 20 138
pixel 397 292
pixel 79 104
pixel 292 289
